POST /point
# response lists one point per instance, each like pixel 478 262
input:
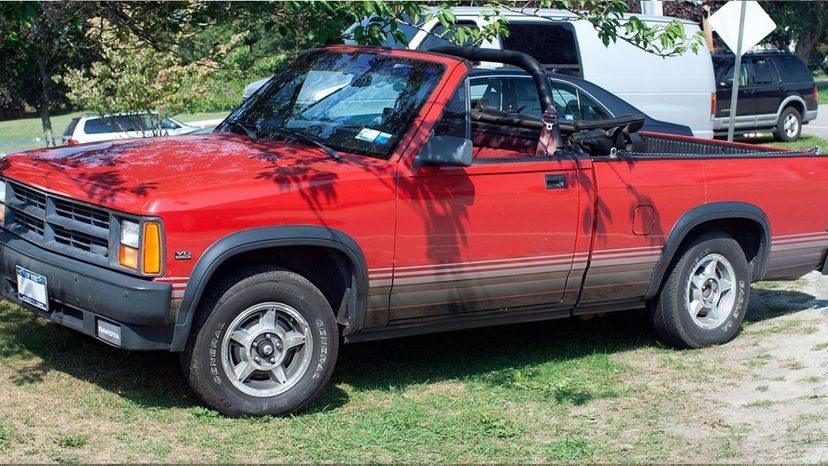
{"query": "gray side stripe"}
pixel 808 245
pixel 631 260
pixel 485 267
pixel 471 275
pixel 516 260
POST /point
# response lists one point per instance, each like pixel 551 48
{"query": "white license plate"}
pixel 31 288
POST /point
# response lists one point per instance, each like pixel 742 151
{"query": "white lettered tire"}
pixel 705 296
pixel 265 343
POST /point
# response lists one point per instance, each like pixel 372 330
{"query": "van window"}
pixel 433 39
pixel 116 124
pixel 552 44
pixel 166 123
pixel 70 130
pixel 763 72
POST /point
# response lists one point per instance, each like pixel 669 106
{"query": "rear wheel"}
pixel 789 126
pixel 704 298
pixel 266 345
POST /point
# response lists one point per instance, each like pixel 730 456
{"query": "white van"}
pixel 677 89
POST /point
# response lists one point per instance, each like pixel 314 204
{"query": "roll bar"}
pixel 526 63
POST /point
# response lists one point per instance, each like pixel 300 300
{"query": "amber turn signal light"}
pixel 152 248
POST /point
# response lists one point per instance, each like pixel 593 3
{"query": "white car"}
pixel 93 128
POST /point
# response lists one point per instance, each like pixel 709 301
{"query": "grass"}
pixel 560 391
pixel 806 141
pixel 823 93
pixel 29 128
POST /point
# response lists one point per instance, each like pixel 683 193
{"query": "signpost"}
pixel 740 30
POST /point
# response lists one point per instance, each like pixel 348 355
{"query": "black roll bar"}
pixel 526 63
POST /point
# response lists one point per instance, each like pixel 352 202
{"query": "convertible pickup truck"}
pixel 368 193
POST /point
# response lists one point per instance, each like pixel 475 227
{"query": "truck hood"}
pixel 127 175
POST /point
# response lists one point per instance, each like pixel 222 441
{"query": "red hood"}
pixel 126 175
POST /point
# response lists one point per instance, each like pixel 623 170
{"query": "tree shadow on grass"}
pixel 502 357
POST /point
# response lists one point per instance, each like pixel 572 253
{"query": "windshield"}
pixel 359 103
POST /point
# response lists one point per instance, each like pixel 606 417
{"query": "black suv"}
pixel 776 93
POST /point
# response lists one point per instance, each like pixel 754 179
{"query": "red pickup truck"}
pixel 367 193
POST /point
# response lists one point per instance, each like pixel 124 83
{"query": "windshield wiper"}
pixel 250 133
pixel 311 139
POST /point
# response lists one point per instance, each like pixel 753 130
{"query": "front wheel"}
pixel 704 298
pixel 265 344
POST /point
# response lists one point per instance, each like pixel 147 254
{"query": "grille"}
pixel 78 240
pixel 58 223
pixel 81 213
pixel 30 223
pixel 30 196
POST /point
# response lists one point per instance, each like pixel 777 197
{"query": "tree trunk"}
pixel 45 100
pixel 805 45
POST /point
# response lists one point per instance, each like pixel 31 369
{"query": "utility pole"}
pixel 652 7
pixel 737 68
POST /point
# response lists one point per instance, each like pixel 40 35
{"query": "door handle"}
pixel 555 181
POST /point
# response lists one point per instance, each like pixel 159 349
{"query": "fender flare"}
pixel 269 237
pixel 787 100
pixel 705 213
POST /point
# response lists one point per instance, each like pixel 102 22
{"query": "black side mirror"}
pixel 445 150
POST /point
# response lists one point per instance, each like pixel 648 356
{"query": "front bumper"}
pixel 85 297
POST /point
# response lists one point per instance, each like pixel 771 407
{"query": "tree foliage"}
pixel 171 48
pixel 802 23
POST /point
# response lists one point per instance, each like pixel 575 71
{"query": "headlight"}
pixel 140 247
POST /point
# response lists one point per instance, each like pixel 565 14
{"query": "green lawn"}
pixel 29 128
pixel 823 94
pixel 806 141
pixel 601 390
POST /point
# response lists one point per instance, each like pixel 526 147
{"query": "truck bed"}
pixel 646 144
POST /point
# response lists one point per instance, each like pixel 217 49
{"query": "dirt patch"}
pixel 764 396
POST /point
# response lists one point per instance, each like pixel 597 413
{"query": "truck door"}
pixel 497 235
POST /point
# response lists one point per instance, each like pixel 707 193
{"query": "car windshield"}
pixel 359 103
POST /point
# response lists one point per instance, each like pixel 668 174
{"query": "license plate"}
pixel 31 288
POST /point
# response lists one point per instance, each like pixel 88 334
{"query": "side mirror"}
pixel 445 150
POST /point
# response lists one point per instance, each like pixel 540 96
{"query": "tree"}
pixel 803 23
pixel 46 35
pixel 132 77
pixel 41 39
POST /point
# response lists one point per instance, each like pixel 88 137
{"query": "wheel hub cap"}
pixel 710 296
pixel 267 349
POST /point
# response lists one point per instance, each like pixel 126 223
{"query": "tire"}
pixel 683 320
pixel 789 126
pixel 257 321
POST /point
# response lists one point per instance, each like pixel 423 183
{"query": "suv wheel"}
pixel 789 126
pixel 704 298
pixel 266 345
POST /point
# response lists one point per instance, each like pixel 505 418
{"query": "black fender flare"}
pixel 705 213
pixel 263 238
